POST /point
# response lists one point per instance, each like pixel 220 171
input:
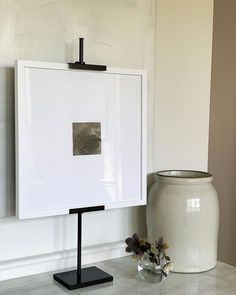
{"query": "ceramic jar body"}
pixel 184 209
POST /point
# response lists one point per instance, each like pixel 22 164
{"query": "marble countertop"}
pixel 221 280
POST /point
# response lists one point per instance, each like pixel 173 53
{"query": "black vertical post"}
pixel 81 65
pixel 81 51
pixel 79 238
pixel 82 277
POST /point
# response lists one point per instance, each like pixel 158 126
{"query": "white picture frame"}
pixel 55 106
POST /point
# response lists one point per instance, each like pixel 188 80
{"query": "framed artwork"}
pixel 80 138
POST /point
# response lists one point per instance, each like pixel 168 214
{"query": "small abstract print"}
pixel 86 138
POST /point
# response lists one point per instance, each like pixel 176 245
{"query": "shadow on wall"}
pixel 7 142
pixel 150 181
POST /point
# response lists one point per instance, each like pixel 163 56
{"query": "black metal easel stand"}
pixel 82 277
pixel 81 65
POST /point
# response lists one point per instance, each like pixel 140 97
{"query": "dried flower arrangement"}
pixel 156 252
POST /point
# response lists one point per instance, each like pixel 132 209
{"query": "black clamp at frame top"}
pixel 86 209
pixel 81 65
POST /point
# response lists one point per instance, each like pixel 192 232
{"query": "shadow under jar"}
pixel 183 207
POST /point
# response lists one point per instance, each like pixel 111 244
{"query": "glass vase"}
pixel 149 271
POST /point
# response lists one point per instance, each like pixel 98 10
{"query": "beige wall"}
pixel 222 146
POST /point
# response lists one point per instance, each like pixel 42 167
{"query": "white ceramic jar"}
pixel 183 207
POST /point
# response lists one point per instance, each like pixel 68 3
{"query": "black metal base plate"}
pixel 89 276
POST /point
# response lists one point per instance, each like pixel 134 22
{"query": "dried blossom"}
pixel 161 245
pixel 156 253
pixel 133 244
pixel 168 267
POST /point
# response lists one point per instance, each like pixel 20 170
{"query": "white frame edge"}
pixel 20 66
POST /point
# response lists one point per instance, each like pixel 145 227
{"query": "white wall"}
pixel 183 75
pixel 119 33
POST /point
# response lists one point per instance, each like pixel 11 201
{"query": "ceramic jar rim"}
pixel 183 176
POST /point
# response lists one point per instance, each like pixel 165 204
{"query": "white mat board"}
pixel 80 138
